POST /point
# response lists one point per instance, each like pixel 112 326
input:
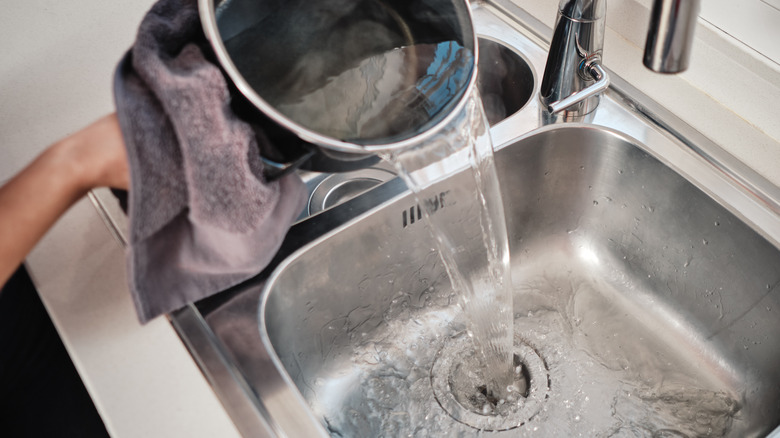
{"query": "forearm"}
pixel 32 201
pixel 35 198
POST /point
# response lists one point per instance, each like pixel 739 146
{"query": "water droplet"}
pixel 595 202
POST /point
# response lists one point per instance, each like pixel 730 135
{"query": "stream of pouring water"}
pixel 484 288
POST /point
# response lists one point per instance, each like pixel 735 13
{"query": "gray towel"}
pixel 202 218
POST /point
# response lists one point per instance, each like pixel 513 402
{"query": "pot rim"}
pixel 208 18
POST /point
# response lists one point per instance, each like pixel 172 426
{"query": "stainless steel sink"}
pixel 646 275
pixel 651 306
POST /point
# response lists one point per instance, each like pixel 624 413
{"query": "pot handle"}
pixel 273 170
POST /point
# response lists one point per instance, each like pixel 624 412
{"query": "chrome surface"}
pixel 632 224
pixel 670 35
pixel 627 278
pixel 338 188
pixel 592 68
pixel 506 85
pixel 505 80
pixel 573 78
pixel 578 38
pixel 246 13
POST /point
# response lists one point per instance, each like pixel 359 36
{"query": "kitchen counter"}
pixel 142 378
pixel 56 78
pixel 56 75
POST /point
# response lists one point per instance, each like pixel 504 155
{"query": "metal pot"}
pixel 329 84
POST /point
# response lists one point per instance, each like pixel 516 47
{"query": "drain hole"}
pixel 464 383
pixel 486 396
pixel 457 384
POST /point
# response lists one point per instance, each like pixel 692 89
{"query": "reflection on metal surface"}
pixel 571 81
pixel 642 252
pixel 573 76
pixel 505 80
pixel 628 280
pixel 670 35
pixel 451 377
pixel 341 187
pixel 593 70
pixel 392 73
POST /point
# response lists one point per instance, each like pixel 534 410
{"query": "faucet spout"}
pixel 670 35
pixel 573 77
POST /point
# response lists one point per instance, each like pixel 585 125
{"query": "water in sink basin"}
pixel 485 295
pixel 647 307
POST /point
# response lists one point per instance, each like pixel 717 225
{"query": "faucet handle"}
pixel 590 68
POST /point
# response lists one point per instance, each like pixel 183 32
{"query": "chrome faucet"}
pixel 574 77
pixel 670 35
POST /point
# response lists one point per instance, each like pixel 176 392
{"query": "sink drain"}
pixel 458 387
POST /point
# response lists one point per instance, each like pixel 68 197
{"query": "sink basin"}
pixel 642 306
pixel 645 267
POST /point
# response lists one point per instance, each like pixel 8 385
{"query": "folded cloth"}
pixel 202 217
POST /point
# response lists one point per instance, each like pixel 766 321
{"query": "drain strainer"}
pixel 457 387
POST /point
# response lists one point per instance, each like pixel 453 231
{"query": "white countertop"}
pixel 56 77
pixel 142 378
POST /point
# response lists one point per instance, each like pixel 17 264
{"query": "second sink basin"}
pixel 642 306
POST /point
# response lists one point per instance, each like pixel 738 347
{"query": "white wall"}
pixel 755 23
pixel 57 63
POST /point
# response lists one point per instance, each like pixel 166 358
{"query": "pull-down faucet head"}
pixel 670 35
pixel 573 76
